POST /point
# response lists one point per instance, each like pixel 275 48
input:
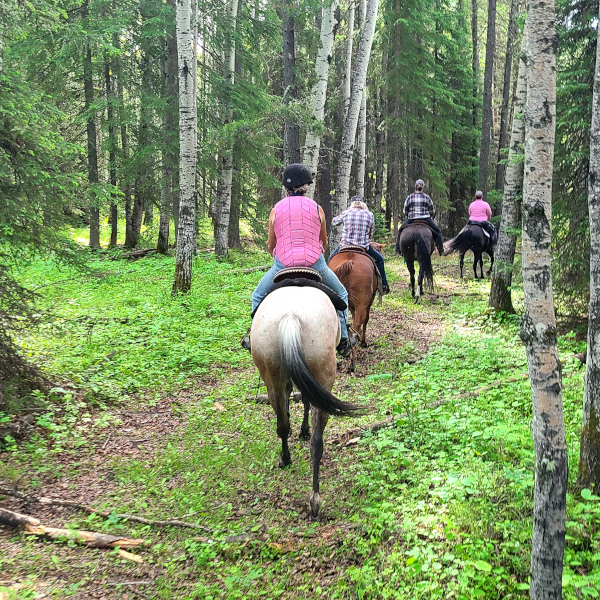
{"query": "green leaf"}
pixel 481 565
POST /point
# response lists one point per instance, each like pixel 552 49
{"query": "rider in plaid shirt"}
pixel 359 226
pixel 420 206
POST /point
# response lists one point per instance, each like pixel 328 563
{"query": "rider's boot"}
pixel 345 346
pixel 245 341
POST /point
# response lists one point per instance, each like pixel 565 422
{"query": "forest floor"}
pixel 156 416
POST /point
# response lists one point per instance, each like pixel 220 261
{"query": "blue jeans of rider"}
pixel 329 279
pixel 377 256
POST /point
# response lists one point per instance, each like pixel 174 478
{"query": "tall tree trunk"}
pixel 92 140
pixel 538 328
pixel 325 182
pixel 188 123
pixel 475 69
pixel 319 90
pixel 359 79
pixel 223 208
pixel 515 7
pixel 348 58
pixel 589 457
pixel 361 158
pixel 291 135
pixel 112 148
pixel 486 112
pixel 500 292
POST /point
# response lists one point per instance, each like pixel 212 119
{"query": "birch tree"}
pixel 186 55
pixel 538 327
pixel 291 134
pixel 359 79
pixel 223 208
pixel 589 458
pixel 318 94
pixel 361 157
pixel 348 60
pixel 500 292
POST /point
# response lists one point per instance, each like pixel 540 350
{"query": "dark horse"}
pixel 294 335
pixel 356 271
pixel 416 242
pixel 472 237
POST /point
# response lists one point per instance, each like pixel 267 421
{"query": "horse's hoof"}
pixel 304 435
pixel 363 345
pixel 283 464
pixel 315 505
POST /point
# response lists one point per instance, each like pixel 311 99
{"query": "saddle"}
pixel 304 277
pixel 422 222
pixel 361 250
pixel 480 224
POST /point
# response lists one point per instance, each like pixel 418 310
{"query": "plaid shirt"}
pixel 418 205
pixel 359 225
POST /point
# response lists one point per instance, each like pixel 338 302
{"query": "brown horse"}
pixel 294 335
pixel 357 274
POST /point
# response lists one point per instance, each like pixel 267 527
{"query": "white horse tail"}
pixel 294 364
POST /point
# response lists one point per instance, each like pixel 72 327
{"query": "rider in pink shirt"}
pixel 480 213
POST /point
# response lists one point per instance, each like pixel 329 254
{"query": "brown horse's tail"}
pixel 294 364
pixel 343 272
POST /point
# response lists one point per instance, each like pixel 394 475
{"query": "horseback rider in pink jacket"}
pixel 480 213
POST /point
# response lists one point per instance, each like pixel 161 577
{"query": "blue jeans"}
pixel 377 256
pixel 329 279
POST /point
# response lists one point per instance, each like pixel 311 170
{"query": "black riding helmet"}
pixel 296 175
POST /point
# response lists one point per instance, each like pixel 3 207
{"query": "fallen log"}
pixel 101 513
pixel 33 526
pixel 351 437
pixel 251 269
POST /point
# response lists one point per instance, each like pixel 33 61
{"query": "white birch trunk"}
pixel 361 158
pixel 318 95
pixel 538 327
pixel 500 292
pixel 223 207
pixel 589 462
pixel 348 62
pixel 186 234
pixel 359 79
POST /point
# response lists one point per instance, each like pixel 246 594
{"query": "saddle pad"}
pixel 485 231
pixel 295 272
pixel 352 249
pixel 337 302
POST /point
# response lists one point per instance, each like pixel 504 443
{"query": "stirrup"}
pixel 245 341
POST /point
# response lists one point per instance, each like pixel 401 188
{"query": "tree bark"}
pixel 169 155
pixel 500 292
pixel 112 148
pixel 223 207
pixel 475 68
pixel 538 329
pixel 188 122
pixel 361 155
pixel 92 140
pixel 486 112
pixel 348 59
pixel 359 78
pixel 589 457
pixel 515 7
pixel 291 135
pixel 318 94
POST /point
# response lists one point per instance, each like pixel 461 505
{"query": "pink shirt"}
pixel 297 227
pixel 480 211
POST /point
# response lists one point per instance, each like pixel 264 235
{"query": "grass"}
pixel 438 506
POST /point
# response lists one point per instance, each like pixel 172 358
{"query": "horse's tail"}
pixel 294 363
pixel 425 265
pixel 343 270
pixel 461 243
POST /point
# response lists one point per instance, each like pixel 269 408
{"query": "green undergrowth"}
pixel 438 505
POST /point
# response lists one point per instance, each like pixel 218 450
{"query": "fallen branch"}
pixel 351 437
pixel 251 269
pixel 32 526
pixel 101 513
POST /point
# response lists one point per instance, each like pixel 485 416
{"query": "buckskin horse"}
pixel 294 335
pixel 416 242
pixel 472 237
pixel 356 271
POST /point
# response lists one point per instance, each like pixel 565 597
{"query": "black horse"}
pixel 416 242
pixel 472 237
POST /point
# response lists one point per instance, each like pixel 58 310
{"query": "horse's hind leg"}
pixel 481 264
pixel 305 429
pixel 410 265
pixel 475 265
pixel 279 400
pixel 462 264
pixel 491 254
pixel 319 421
pixel 360 325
